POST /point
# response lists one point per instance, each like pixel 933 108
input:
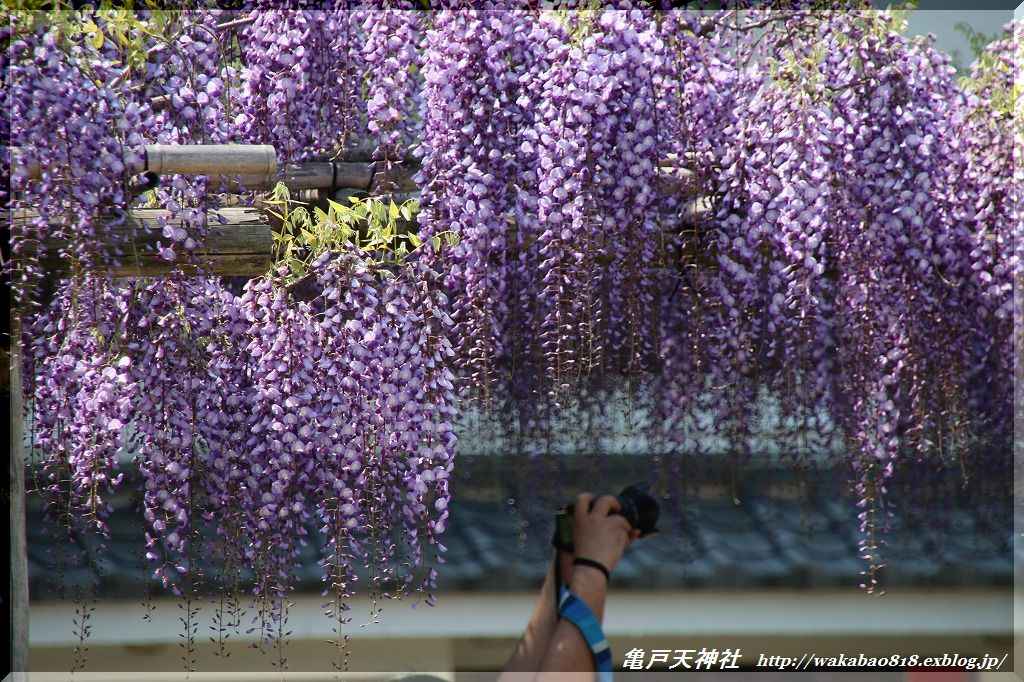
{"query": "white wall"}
pixel 477 631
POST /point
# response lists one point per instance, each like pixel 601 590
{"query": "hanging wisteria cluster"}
pixel 853 264
pixel 296 91
pixel 597 163
pixel 988 200
pixel 393 49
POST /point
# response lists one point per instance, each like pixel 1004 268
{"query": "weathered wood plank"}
pixel 242 246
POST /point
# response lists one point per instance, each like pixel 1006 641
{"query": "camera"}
pixel 637 505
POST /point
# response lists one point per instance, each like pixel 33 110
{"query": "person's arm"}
pixel 530 649
pixel 602 538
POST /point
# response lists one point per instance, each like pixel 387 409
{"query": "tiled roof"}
pixel 748 537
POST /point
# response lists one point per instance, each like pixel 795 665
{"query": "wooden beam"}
pixel 242 246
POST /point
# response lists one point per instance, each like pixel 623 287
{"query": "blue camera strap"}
pixel 579 614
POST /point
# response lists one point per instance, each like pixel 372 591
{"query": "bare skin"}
pixel 554 649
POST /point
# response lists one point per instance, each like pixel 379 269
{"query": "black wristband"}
pixel 581 561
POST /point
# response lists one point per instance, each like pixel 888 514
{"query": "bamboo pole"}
pixel 327 175
pixel 259 160
pixel 233 167
pixel 212 159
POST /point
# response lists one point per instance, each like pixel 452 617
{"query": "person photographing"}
pixel 564 633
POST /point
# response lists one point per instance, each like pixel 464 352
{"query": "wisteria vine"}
pixel 707 212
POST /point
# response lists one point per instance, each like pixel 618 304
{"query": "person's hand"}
pixel 598 534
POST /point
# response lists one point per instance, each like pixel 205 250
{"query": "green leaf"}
pixel 377 209
pixel 415 240
pixel 280 192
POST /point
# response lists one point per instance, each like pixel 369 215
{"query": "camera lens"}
pixel 640 508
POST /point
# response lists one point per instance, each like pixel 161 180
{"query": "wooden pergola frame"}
pixel 241 246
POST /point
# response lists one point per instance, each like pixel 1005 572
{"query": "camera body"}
pixel 638 506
